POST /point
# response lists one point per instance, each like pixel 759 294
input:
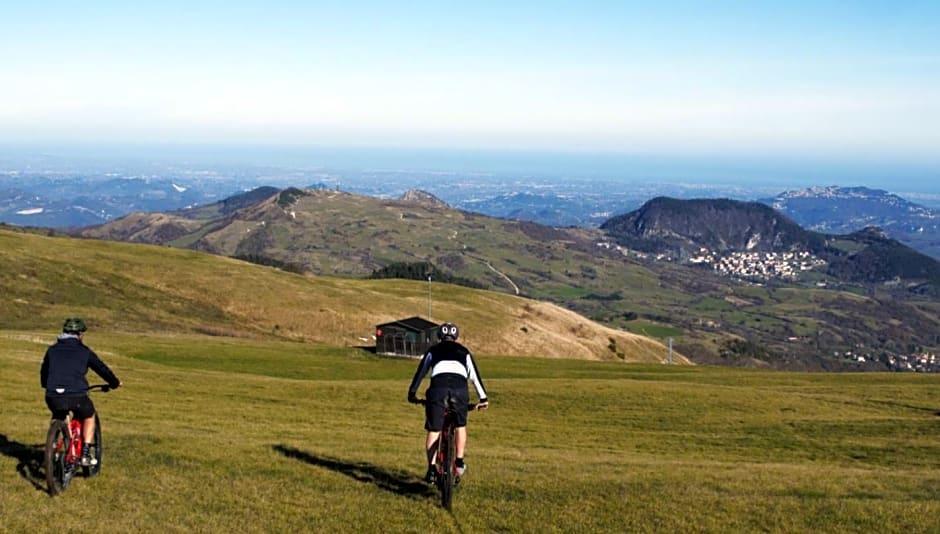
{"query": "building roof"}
pixel 416 324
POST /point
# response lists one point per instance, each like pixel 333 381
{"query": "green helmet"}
pixel 74 325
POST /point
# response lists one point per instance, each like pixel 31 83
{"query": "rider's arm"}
pixel 423 367
pixel 474 377
pixel 103 370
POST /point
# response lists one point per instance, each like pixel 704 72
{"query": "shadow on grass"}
pixel 30 459
pixel 399 482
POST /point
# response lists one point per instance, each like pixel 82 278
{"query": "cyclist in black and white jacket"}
pixel 451 365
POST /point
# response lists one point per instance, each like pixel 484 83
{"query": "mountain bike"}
pixel 445 455
pixel 63 457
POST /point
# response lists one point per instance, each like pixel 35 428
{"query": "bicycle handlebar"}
pixel 103 387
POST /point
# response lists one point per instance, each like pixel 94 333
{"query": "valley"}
pixel 811 323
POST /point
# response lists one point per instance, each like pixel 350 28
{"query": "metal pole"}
pixel 429 297
pixel 670 351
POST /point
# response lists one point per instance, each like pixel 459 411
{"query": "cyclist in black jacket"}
pixel 63 375
pixel 450 365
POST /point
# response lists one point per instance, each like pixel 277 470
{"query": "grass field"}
pixel 212 434
pixel 143 288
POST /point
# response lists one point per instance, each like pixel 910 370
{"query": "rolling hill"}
pixel 153 289
pixel 819 321
pixel 683 226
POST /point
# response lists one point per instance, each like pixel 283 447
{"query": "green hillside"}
pixel 153 289
pixel 711 319
pixel 214 434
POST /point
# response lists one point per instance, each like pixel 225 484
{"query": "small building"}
pixel 406 337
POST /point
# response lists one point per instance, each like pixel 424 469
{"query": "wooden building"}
pixel 406 337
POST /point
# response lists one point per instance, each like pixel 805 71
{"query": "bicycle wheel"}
pixel 58 472
pixel 94 451
pixel 447 469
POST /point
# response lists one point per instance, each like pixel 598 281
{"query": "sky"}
pixel 845 80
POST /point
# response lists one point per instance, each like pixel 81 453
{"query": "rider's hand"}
pixel 483 405
pixel 413 400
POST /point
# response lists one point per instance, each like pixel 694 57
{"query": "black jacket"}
pixel 444 360
pixel 64 367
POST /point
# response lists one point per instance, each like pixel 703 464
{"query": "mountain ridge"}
pixel 787 324
pixel 722 224
pixel 844 210
pixel 685 227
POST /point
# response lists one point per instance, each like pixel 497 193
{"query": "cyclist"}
pixel 63 375
pixel 450 365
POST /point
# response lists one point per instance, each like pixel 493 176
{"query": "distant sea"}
pixel 750 171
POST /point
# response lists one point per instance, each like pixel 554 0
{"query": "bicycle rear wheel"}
pixel 447 469
pixel 58 471
pixel 94 451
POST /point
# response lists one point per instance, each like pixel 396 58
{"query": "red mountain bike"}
pixel 64 450
pixel 445 456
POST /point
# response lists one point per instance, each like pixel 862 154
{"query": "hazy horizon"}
pixel 757 173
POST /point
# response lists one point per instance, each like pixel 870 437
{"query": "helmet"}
pixel 448 330
pixel 74 325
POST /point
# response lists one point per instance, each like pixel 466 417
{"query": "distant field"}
pixel 213 434
pixel 646 328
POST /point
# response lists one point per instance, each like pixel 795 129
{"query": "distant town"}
pixel 759 265
pixel 750 266
pixel 917 362
pixel 766 266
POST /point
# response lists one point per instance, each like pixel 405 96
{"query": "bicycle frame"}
pixel 64 444
pixel 448 433
pixel 445 455
pixel 76 435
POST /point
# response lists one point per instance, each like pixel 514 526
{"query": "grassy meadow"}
pixel 144 288
pixel 216 434
pixel 794 326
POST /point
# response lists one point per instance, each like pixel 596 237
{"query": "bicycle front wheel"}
pixel 94 451
pixel 58 471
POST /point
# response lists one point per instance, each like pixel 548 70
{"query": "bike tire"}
pixel 447 469
pixel 95 451
pixel 58 474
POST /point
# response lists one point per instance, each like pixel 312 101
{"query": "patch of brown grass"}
pixel 127 287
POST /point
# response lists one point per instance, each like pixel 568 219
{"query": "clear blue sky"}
pixel 818 79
